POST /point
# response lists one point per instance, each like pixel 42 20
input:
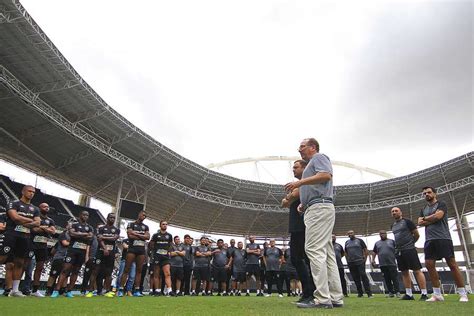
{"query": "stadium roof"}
pixel 54 124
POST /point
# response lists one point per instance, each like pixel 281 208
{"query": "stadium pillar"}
pixel 461 234
pixel 117 204
pixel 84 200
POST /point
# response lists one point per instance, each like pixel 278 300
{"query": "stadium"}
pixel 70 135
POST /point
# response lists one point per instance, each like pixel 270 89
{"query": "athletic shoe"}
pixel 120 293
pixel 109 294
pixel 193 294
pixel 16 294
pixel 463 298
pixel 129 293
pixel 137 294
pixel 360 295
pixel 398 295
pixel 407 297
pixel 55 294
pixel 238 294
pixel 337 305
pixel 280 295
pixel 209 294
pixel 219 294
pixel 303 300
pixel 390 295
pixel 423 297
pixel 69 294
pixel 37 294
pixel 6 292
pixel 313 304
pixel 89 295
pixel 225 294
pixel 370 295
pixel 260 294
pixel 247 294
pixel 268 295
pixel 435 298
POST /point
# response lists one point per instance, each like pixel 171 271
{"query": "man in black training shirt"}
pixel 339 252
pixel 177 264
pixel 253 266
pixel 138 233
pixel 220 266
pixel 356 256
pixel 296 229
pixel 107 236
pixel 201 270
pixel 438 244
pixel 40 238
pixel 22 216
pixel 160 245
pixel 406 235
pixel 81 235
pixel 273 257
pixel 230 250
pixel 385 250
pixel 59 252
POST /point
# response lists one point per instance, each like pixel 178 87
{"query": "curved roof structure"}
pixel 54 124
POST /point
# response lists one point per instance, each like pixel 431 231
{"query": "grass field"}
pixel 225 306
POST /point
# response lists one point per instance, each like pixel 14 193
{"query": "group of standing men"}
pixel 310 200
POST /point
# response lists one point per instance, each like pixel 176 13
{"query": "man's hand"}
pixel 292 185
pixel 301 209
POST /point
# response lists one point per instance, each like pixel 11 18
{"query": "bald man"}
pixel 406 235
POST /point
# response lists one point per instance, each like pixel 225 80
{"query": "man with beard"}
pixel 253 266
pixel 438 244
pixel 385 250
pixel 356 256
pixel 177 269
pixel 160 245
pixel 40 238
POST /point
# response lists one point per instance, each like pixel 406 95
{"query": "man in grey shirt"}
pixel 406 235
pixel 385 250
pixel 316 196
pixel 356 256
pixel 438 244
pixel 273 257
pixel 177 254
pixel 253 264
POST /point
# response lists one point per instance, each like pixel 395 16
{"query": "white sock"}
pixel 248 291
pixel 436 291
pixel 424 291
pixel 409 292
pixel 462 291
pixel 177 291
pixel 16 284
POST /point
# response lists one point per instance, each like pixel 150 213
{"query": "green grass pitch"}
pixel 379 305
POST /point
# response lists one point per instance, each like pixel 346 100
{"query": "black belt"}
pixel 319 201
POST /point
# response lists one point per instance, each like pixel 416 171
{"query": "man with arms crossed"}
pixel 406 235
pixel 253 265
pixel 438 244
pixel 22 216
pixel 316 194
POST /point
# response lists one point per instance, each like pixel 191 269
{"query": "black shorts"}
pixel 137 251
pixel 105 261
pixel 437 249
pixel 239 276
pixel 161 260
pixel 151 268
pixel 41 254
pixel 253 269
pixel 291 275
pixel 75 257
pixel 202 273
pixel 177 273
pixel 408 260
pixel 56 267
pixel 18 246
pixel 219 274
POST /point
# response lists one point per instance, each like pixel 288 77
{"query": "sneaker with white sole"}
pixel 37 294
pixel 16 294
pixel 463 299
pixel 435 298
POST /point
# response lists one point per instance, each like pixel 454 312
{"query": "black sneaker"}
pixel 194 294
pixel 391 295
pixel 423 297
pixel 304 300
pixel 225 294
pixel 407 298
pixel 219 294
pixel 313 304
pixel 289 294
pixel 247 294
pixel 260 294
pixel 6 292
pixel 360 295
pixel 238 294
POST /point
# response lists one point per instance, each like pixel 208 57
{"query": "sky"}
pixel 381 84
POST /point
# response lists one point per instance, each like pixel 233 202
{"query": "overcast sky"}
pixel 381 84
